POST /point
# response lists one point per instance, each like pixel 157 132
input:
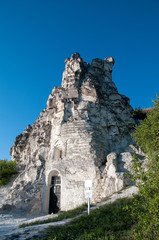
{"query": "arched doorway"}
pixel 55 193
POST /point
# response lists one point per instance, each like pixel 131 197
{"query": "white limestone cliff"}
pixel 84 133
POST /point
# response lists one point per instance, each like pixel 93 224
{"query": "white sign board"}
pixel 88 183
pixel 88 193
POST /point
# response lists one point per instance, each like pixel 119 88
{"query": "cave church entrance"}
pixel 55 194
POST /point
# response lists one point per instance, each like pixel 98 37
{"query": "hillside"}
pixel 105 215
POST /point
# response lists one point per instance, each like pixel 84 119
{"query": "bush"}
pixel 139 114
pixel 7 170
pixel 146 205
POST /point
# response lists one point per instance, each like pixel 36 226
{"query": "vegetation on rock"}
pixel 140 114
pixel 7 170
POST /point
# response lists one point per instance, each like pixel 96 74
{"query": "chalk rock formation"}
pixel 84 133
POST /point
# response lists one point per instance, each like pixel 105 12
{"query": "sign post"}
pixel 88 205
pixel 88 192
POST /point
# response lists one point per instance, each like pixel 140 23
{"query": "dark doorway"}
pixel 55 194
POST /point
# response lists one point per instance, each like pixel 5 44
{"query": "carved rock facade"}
pixel 84 133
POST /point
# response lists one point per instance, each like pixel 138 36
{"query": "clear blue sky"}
pixel 36 36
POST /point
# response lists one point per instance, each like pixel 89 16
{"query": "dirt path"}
pixel 9 223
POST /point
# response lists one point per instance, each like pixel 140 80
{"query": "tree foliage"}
pixel 7 170
pixel 145 209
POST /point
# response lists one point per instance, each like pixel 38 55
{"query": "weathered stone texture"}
pixel 83 134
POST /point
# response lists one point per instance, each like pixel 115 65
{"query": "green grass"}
pixel 109 222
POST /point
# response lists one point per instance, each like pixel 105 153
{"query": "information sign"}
pixel 88 193
pixel 88 183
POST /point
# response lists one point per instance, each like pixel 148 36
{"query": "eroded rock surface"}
pixel 84 133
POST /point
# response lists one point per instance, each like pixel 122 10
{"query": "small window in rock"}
pixel 58 180
pixel 55 180
pixel 58 153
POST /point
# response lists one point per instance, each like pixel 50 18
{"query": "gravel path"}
pixel 9 223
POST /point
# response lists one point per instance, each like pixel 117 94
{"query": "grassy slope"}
pixel 109 222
